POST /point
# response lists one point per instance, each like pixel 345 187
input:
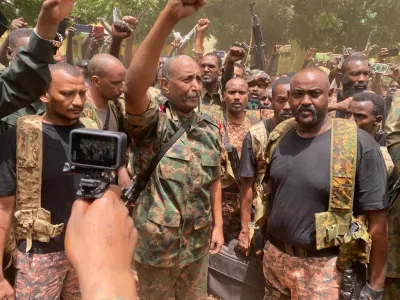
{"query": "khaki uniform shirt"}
pixel 173 215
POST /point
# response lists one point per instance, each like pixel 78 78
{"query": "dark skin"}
pixel 280 104
pixel 65 99
pixel 309 95
pixel 363 114
pixel 282 111
pixel 210 71
pixel 184 86
pixel 236 97
pixel 354 80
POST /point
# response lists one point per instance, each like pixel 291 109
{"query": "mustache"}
pixel 303 108
pixel 75 108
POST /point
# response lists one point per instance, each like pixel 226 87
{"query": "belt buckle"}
pixel 289 249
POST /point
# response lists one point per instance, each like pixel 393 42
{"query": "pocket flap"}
pixel 162 217
pixel 202 221
pixel 179 152
pixel 210 160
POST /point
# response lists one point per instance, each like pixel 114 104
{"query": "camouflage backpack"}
pixel 31 221
pixel 332 227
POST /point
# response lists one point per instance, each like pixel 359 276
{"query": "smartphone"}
pixel 82 28
pixel 322 56
pixel 285 49
pixel 220 54
pixel 393 52
pixel 98 30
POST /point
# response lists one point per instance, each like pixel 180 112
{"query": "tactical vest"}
pixel 31 221
pixel 332 227
pixel 259 138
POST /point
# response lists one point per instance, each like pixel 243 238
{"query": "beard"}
pixel 306 108
pixel 350 88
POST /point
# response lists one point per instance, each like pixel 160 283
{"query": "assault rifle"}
pixel 258 40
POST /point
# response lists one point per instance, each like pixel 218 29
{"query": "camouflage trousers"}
pixel 289 277
pixel 158 283
pixel 45 276
pixel 231 216
pixel 392 289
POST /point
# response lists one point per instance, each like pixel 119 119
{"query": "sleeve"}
pixel 248 165
pixel 139 125
pixel 371 180
pixel 28 76
pixel 7 163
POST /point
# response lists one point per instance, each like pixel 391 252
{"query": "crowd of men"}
pixel 301 169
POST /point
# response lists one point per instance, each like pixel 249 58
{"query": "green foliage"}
pixel 326 25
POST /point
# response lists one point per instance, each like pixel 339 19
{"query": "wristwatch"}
pixel 369 293
pixel 56 43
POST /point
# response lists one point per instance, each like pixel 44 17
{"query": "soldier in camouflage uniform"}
pixel 211 93
pixel 236 125
pixel 392 128
pixel 258 81
pixel 300 262
pixel 178 215
pixel 252 167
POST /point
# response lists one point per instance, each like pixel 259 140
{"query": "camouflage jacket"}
pixel 236 135
pixel 392 128
pixel 36 108
pixel 173 215
pixel 213 102
pixel 89 112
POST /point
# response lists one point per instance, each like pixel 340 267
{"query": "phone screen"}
pixel 98 30
pixel 393 52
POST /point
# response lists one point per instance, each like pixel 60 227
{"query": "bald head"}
pixel 101 65
pixel 312 75
pixel 107 74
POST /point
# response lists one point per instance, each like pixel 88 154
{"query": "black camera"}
pixel 97 154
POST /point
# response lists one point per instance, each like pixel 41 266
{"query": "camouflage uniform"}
pixel 230 189
pixel 298 278
pixel 117 109
pixel 392 128
pixel 173 214
pixel 214 102
pixel 45 276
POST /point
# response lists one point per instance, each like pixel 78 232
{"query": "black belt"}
pixel 301 252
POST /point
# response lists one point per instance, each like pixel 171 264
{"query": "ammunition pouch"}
pixel 35 224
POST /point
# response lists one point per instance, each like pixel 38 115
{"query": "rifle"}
pixel 233 155
pixel 258 40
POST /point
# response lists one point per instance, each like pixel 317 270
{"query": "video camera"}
pixel 97 154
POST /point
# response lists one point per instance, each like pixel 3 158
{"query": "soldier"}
pixel 301 254
pixel 252 165
pixel 258 81
pixel 392 283
pixel 354 77
pixel 178 215
pixel 236 124
pixel 32 160
pixel 107 80
pixel 210 66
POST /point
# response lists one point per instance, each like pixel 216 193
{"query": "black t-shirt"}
pixel 339 113
pixel 58 189
pixel 300 172
pixel 248 164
